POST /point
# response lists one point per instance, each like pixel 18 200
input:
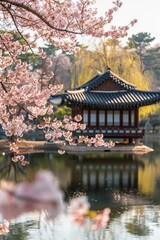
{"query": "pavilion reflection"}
pixel 106 178
pixel 96 173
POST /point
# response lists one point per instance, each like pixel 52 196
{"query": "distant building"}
pixel 109 105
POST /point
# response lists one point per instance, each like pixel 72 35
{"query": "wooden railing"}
pixel 114 132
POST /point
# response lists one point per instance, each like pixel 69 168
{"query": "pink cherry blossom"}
pixel 20 158
pixel 78 118
pixel 48 135
pixel 24 163
pixel 67 134
pixel 82 126
pixel 67 119
pixel 4 227
pixel 14 147
pixel 81 139
pixel 78 208
pixel 61 151
pixel 15 159
pixel 101 220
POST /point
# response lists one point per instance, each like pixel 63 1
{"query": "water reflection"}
pixel 127 183
pixel 114 177
pixel 9 170
pixel 136 222
pixel 99 172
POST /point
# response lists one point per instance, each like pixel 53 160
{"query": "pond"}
pixel 128 184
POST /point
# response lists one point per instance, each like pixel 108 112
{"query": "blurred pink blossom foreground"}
pixel 44 193
pixel 79 209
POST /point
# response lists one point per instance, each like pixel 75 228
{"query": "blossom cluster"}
pixel 97 141
pixel 58 22
pixel 56 130
pixel 20 158
pixel 79 208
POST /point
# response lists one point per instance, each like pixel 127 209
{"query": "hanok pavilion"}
pixel 109 105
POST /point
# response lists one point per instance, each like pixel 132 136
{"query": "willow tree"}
pixel 81 69
pixel 123 61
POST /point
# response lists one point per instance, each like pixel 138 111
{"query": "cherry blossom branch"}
pixel 19 105
pixel 21 5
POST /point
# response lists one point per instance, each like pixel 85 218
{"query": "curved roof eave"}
pixel 114 99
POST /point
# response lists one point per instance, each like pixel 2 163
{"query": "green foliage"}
pixel 151 62
pixel 51 50
pixel 136 228
pixel 148 110
pixel 33 60
pixel 19 231
pixel 61 111
pixel 141 41
pixel 150 56
pixel 2 158
pixel 155 122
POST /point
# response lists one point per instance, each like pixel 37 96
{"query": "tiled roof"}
pixel 86 96
pixel 111 99
pixel 100 78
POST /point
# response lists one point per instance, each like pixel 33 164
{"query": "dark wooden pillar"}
pixel 136 117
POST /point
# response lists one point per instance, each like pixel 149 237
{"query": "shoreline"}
pixel 137 149
pixel 35 146
pixel 31 146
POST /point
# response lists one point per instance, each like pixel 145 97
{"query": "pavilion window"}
pixel 132 118
pixel 116 118
pixel 110 118
pixel 93 118
pixel 85 117
pixel 125 118
pixel 101 118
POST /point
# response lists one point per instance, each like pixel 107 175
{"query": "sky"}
pixel 147 12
